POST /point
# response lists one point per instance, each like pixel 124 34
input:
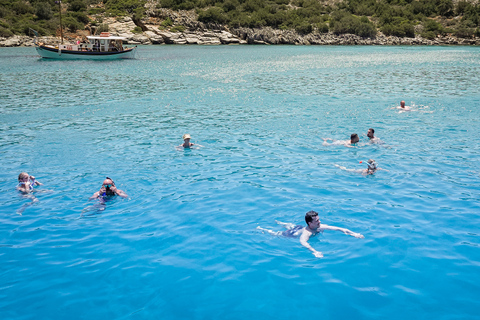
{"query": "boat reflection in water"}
pixel 102 47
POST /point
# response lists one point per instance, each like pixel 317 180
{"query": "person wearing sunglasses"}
pixel 108 189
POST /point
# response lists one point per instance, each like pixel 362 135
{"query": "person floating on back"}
pixel 347 143
pixel 108 189
pixel 313 228
pixel 26 182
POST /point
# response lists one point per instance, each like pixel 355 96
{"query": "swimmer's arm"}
pixel 304 242
pixel 36 183
pixel 121 193
pixel 23 188
pixel 95 195
pixel 344 230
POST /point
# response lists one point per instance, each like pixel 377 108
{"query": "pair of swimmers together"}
pixel 313 228
pixel 354 139
pixel 26 183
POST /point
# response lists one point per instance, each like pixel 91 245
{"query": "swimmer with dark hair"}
pixel 108 189
pixel 26 182
pixel 354 139
pixel 313 228
pixel 371 136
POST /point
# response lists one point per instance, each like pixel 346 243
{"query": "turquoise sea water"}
pixel 184 245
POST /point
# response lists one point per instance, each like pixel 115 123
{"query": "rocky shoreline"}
pixel 219 35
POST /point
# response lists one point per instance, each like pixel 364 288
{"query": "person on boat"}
pixel 313 228
pixel 26 182
pixel 108 189
pixel 347 143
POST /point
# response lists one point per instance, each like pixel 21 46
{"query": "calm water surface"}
pixel 184 245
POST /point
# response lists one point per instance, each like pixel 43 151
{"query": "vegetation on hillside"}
pixel 403 18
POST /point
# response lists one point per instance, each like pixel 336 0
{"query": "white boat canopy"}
pixel 105 38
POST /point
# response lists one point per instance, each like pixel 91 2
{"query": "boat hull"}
pixel 52 53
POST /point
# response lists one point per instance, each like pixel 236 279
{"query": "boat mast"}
pixel 60 10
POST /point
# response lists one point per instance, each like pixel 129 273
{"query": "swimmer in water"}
pixel 26 182
pixel 371 136
pixel 108 189
pixel 403 106
pixel 372 167
pixel 186 141
pixel 187 144
pixel 313 228
pixel 347 143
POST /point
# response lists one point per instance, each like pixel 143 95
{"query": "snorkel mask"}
pixel 372 166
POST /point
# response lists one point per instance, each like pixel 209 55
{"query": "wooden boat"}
pixel 102 47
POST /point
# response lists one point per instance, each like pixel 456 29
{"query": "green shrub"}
pixel 433 26
pixel 102 28
pixel 403 29
pixel 429 35
pixel 177 29
pixel 80 17
pixel 21 7
pixel 137 29
pixel 4 32
pixel 123 6
pixel 92 11
pixel 461 6
pixel 322 28
pixel 304 28
pixel 346 23
pixel 229 5
pixel 214 14
pixel 167 22
pixel 77 5
pixel 463 32
pixel 445 8
pixel 72 24
pixel 4 12
pixel 43 11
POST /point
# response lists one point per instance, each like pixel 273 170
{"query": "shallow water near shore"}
pixel 184 244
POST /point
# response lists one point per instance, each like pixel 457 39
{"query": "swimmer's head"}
pixel 186 136
pixel 372 166
pixel 310 215
pixel 107 184
pixel 23 177
pixel 402 104
pixel 370 133
pixel 354 138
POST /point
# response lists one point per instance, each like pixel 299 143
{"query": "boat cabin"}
pixel 102 43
